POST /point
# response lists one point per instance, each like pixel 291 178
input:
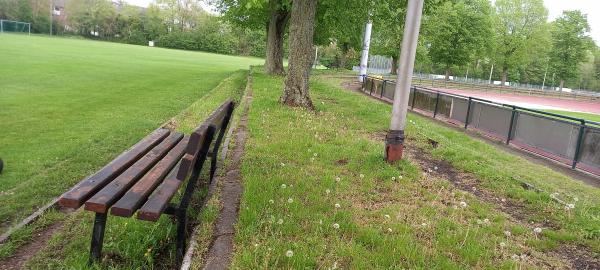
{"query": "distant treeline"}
pixel 178 24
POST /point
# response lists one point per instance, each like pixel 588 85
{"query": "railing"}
pixel 484 85
pixel 569 140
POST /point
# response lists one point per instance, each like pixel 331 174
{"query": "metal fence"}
pixel 565 139
pixel 439 81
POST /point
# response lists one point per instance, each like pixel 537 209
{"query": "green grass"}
pixel 298 165
pixel 131 243
pixel 586 116
pixel 68 106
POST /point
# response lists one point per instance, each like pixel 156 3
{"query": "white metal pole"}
pixel 394 141
pixel 364 58
pixel 1 26
pixel 491 71
pixel 29 28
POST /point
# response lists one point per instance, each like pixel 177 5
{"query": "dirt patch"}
pixel 469 183
pixel 578 256
pixel 24 253
pixel 221 247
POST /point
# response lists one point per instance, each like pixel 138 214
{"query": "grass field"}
pixel 318 195
pixel 586 116
pixel 67 106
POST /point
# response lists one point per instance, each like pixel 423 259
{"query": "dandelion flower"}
pixel 463 204
pixel 423 224
pixel 393 178
pixel 429 170
pixel 337 179
pixel 576 199
pixel 315 154
pixel 571 206
pixel 400 177
pixel 271 201
pixel 537 230
pixel 486 221
pixel 387 216
pixel 282 164
pixel 280 221
pixel 336 226
pixel 290 200
pixel 507 233
pixel 502 244
pixel 389 229
pixel 337 205
pixel 362 175
pixel 283 185
pixel 479 222
pixel 327 191
pixel 289 254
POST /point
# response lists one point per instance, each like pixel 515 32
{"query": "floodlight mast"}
pixel 394 141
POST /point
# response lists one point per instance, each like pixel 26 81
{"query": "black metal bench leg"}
pixel 181 235
pixel 97 237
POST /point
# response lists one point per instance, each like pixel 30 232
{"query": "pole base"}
pixel 394 145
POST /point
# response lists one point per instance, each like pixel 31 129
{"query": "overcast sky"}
pixel 555 9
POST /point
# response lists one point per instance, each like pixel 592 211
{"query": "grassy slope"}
pixel 130 243
pixel 294 157
pixel 68 106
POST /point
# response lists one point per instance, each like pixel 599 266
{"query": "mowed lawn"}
pixel 67 106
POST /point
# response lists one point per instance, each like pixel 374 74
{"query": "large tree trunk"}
pixel 295 92
pixel 394 65
pixel 447 74
pixel 275 30
pixel 504 76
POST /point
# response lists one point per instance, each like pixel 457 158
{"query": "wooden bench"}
pixel 145 178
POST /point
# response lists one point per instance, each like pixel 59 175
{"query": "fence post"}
pixel 382 88
pixel 412 106
pixel 364 83
pixel 437 101
pixel 371 91
pixel 468 112
pixel 512 123
pixel 579 143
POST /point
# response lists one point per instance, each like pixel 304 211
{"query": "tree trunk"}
pixel 504 76
pixel 295 92
pixel 562 84
pixel 275 30
pixel 447 74
pixel 394 65
pixel 344 55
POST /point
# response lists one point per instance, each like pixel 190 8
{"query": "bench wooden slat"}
pixel 158 201
pixel 156 204
pixel 214 119
pixel 102 200
pixel 86 188
pixel 134 198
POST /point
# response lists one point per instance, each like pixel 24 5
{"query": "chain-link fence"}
pixel 569 140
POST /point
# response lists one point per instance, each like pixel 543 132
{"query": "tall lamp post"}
pixel 394 141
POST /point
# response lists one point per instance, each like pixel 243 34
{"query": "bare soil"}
pixel 25 252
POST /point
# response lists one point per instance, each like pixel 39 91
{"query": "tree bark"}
pixel 562 84
pixel 504 76
pixel 447 74
pixel 394 65
pixel 275 30
pixel 295 92
pixel 344 54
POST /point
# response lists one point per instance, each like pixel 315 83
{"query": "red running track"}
pixel 533 102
